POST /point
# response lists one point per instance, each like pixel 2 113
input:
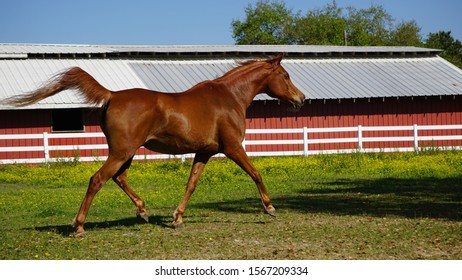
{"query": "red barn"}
pixel 348 88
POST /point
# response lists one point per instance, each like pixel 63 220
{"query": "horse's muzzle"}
pixel 299 103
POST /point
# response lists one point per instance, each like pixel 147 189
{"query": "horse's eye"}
pixel 286 76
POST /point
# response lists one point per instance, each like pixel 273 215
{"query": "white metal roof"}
pixel 323 79
pixel 335 78
pixel 25 75
pixel 23 50
pixel 267 49
pixel 374 78
pixel 17 50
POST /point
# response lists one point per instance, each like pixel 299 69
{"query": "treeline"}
pixel 272 23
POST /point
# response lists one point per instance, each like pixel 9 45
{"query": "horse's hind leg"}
pixel 110 167
pixel 121 180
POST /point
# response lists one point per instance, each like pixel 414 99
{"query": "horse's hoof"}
pixel 82 234
pixel 144 216
pixel 178 225
pixel 271 211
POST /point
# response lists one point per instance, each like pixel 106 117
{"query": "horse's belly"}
pixel 175 146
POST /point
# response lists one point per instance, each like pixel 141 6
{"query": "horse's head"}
pixel 280 86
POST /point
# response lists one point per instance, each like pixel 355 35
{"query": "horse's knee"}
pixel 95 179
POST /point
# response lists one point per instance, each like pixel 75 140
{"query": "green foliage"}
pixel 321 27
pixel 271 22
pixel 59 174
pixel 428 163
pixel 452 48
pixel 369 27
pixel 266 23
pixel 406 33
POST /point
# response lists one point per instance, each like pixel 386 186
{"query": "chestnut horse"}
pixel 207 119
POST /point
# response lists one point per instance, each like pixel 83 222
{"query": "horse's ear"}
pixel 276 61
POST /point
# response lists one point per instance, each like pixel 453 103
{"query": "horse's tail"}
pixel 73 78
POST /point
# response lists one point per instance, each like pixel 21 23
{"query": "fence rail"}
pixel 300 145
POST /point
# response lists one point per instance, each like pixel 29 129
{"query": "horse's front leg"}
pixel 200 161
pixel 239 156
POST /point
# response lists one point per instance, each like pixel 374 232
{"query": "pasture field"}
pixel 357 206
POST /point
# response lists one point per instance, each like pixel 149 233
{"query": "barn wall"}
pixel 372 112
pixel 37 122
pixel 23 122
pixel 270 114
pixel 365 112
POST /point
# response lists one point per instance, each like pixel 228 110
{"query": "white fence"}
pixel 299 144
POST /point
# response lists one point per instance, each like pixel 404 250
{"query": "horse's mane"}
pixel 242 66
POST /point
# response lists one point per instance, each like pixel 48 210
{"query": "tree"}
pixel 368 27
pixel 273 23
pixel 452 49
pixel 406 34
pixel 266 23
pixel 321 27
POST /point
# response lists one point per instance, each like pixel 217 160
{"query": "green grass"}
pixel 359 206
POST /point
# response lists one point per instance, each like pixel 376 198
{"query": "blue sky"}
pixel 178 22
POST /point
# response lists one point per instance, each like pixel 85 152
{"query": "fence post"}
pixel 360 138
pixel 46 152
pixel 416 138
pixel 305 141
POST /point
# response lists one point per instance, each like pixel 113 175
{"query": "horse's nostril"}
pixel 302 100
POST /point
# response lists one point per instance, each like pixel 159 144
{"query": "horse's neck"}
pixel 245 86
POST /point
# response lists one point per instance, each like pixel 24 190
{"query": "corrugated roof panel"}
pixel 155 78
pixel 322 82
pixel 421 83
pixel 13 50
pixel 179 76
pixel 143 73
pixel 363 78
pixel 427 81
pixel 375 78
pixel 205 71
pixel 194 74
pixel 24 50
pixel 300 80
pixel 309 81
pixel 336 81
pixel 317 78
pixel 442 71
pixel 20 76
pixel 178 82
pixel 358 86
pixel 395 79
pixel 268 49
